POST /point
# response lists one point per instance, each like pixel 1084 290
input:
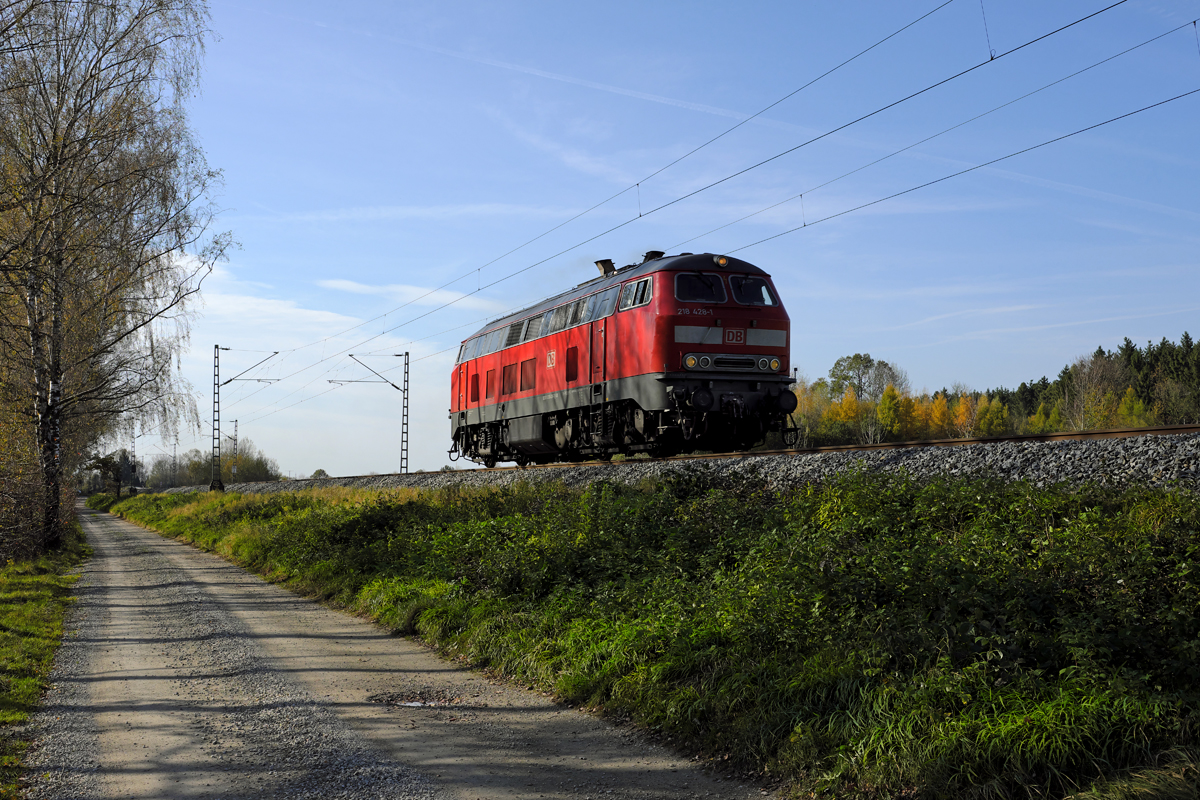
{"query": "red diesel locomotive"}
pixel 675 354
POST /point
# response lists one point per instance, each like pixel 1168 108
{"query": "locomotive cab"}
pixel 675 354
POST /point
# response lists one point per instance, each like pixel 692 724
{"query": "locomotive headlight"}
pixel 721 261
pixel 774 364
pixel 690 362
pixel 705 362
pixel 762 363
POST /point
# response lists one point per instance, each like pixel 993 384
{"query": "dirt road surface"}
pixel 183 676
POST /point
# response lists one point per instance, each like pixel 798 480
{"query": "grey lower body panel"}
pixel 651 392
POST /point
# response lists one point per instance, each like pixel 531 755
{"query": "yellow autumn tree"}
pixel 847 410
pixel 889 412
pixel 962 422
pixel 941 420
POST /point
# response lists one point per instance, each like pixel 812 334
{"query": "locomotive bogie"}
pixel 675 354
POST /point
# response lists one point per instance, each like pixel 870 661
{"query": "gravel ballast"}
pixel 1144 460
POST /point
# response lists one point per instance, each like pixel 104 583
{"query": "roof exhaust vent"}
pixel 606 267
pixel 652 255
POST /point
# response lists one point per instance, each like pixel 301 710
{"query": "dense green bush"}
pixel 872 636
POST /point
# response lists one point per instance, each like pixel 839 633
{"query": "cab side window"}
pixel 637 293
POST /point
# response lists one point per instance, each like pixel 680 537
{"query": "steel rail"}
pixel 1065 436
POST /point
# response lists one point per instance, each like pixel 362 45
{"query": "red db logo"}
pixel 735 336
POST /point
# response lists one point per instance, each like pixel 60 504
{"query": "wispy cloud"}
pixel 962 313
pixel 990 332
pixel 524 69
pixel 410 212
pixel 416 295
pixel 552 76
pixel 568 156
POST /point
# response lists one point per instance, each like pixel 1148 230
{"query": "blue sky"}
pixel 375 152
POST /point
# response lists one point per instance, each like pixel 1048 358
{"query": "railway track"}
pixel 1113 433
pixel 1190 466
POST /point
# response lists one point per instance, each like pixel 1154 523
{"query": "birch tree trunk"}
pixel 104 215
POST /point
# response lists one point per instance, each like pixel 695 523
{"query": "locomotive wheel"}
pixel 489 461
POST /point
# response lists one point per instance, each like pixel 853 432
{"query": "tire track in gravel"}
pixel 183 676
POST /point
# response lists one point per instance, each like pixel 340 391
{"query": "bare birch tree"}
pixel 105 209
pixel 1093 392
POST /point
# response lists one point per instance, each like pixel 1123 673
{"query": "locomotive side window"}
pixel 627 295
pixel 514 333
pixel 608 299
pixel 490 384
pixel 751 291
pixel 509 380
pixel 475 388
pixel 577 309
pixel 494 341
pixel 699 287
pixel 572 364
pixel 558 318
pixel 645 291
pixel 637 293
pixel 533 328
pixel 528 375
pixel 589 309
pixel 472 349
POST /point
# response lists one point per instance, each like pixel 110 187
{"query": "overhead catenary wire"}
pixel 967 170
pixel 707 187
pixel 340 367
pixel 637 184
pixel 800 196
pixel 890 197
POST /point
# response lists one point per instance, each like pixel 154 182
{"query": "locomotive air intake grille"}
pixel 733 362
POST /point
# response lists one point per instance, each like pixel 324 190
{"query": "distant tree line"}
pixel 116 474
pixel 867 401
pixel 1132 386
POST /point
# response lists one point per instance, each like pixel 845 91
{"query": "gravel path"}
pixel 1156 460
pixel 182 676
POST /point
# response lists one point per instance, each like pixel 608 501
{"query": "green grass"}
pixel 101 501
pixel 34 597
pixel 875 636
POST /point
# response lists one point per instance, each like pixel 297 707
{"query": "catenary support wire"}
pixel 970 169
pixel 991 52
pixel 667 166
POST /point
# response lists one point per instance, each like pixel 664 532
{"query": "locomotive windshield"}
pixel 751 291
pixel 699 287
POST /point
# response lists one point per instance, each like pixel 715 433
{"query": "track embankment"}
pixel 1159 460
